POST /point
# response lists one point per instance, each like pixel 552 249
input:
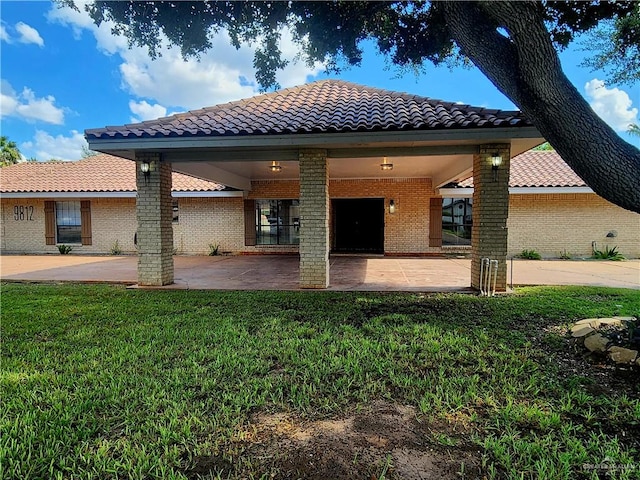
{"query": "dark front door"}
pixel 359 225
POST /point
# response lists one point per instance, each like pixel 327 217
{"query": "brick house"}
pixel 329 167
pixel 551 210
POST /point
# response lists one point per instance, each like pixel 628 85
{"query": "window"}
pixel 277 222
pixel 68 222
pixel 176 216
pixel 456 221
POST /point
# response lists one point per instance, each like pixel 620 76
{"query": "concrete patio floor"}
pixel 278 272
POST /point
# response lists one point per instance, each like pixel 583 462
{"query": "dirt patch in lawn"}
pixel 385 441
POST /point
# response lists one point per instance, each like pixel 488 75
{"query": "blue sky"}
pixel 61 75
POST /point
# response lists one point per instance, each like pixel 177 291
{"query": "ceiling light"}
pixel 275 167
pixel 385 165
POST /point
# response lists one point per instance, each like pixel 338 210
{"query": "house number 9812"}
pixel 23 212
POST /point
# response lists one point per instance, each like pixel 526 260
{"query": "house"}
pixel 326 167
pixel 90 204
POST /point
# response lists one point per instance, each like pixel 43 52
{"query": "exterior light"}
pixel 275 167
pixel 144 168
pixel 392 206
pixel 385 165
pixel 496 161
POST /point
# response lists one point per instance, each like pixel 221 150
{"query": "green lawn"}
pixel 104 382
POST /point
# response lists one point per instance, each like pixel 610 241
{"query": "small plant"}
pixel 64 249
pixel 564 255
pixel 607 254
pixel 530 255
pixel 115 248
pixel 214 249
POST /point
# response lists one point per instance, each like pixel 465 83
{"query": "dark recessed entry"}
pixel 358 225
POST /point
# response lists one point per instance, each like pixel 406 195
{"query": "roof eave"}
pixel 316 140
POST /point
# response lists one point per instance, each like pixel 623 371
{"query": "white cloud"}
pixel 611 104
pixel 28 34
pixel 222 74
pixel 27 106
pixel 145 111
pixel 4 35
pixel 46 147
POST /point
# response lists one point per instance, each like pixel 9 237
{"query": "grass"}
pixel 103 382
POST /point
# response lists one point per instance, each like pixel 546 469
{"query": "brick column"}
pixel 154 214
pixel 314 219
pixel 490 212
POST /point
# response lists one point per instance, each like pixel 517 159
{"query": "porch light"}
pixel 145 168
pixel 496 161
pixel 385 165
pixel 392 206
pixel 275 167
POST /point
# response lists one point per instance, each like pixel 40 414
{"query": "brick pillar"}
pixel 490 212
pixel 314 219
pixel 154 214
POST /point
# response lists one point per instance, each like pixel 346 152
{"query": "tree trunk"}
pixel 524 65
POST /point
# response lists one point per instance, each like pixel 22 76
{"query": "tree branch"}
pixel 529 73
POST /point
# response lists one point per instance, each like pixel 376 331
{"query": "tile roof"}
pixel 100 173
pixel 326 106
pixel 538 169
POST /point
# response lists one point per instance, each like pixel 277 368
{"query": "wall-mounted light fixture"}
pixel 612 234
pixel 392 206
pixel 496 161
pixel 275 167
pixel 145 168
pixel 385 165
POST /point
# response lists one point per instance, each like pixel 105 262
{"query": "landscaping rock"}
pixel 622 355
pixel 585 321
pixel 596 343
pixel 606 322
pixel 578 331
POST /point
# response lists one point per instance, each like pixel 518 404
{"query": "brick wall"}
pixel 549 224
pixel 555 223
pixel 204 221
pixel 490 211
pixel 406 230
pixel 314 219
pixel 154 217
pixel 111 219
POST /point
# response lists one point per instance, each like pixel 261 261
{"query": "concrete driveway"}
pixel 280 272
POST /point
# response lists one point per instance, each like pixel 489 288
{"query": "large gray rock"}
pixel 596 343
pixel 622 355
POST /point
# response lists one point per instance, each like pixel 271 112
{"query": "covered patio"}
pixel 350 273
pixel 319 143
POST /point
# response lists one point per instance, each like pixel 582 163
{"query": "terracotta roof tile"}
pixel 324 106
pixel 100 173
pixel 538 169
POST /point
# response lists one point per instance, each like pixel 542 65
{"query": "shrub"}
pixel 115 248
pixel 530 255
pixel 607 254
pixel 564 255
pixel 64 249
pixel 214 249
